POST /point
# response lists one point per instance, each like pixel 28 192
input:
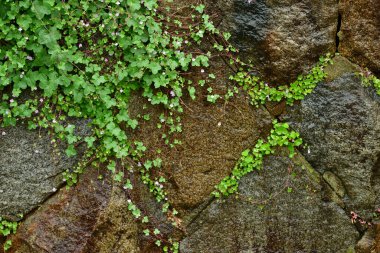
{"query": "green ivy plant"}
pixel 79 59
pixel 260 91
pixel 7 228
pixel 369 79
pixel 252 159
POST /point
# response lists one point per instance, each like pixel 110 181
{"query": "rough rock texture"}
pixel 370 242
pixel 340 123
pixel 299 221
pixel 90 217
pixel 360 32
pixel 377 237
pixel 30 170
pixel 213 137
pixel 282 38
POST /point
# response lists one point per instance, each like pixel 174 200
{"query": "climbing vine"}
pixel 369 79
pixel 260 91
pixel 7 228
pixel 81 59
pixel 252 159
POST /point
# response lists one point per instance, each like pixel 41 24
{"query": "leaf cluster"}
pixel 261 92
pixel 84 59
pixel 251 159
pixel 369 79
pixel 7 228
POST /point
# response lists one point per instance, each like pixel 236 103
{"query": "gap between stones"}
pixel 339 23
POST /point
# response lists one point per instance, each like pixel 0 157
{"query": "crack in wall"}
pixel 338 33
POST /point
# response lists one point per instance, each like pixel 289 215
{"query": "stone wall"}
pixel 336 174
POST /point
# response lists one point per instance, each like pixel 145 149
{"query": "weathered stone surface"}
pixel 91 217
pixel 360 32
pixel 282 38
pixel 340 123
pixel 335 183
pixel 30 169
pixel 299 221
pixel 213 137
pixel 377 237
pixel 370 242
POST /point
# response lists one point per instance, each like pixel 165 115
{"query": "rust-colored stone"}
pixel 360 32
pixel 213 137
pixel 89 217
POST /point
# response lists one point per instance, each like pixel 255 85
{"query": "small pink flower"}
pixel 172 93
pixel 106 60
pixel 80 45
pixel 11 101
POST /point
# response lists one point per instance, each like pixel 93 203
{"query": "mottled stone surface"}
pixel 299 221
pixel 340 123
pixel 370 242
pixel 282 38
pixel 91 217
pixel 213 137
pixel 30 169
pixel 360 32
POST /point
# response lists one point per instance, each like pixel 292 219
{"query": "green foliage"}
pixel 80 59
pixel 7 228
pixel 252 159
pixel 83 60
pixel 369 79
pixel 260 91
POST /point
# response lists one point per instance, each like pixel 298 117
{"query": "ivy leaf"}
pixel 49 37
pixel 132 123
pixel 90 140
pixel 50 2
pixel 150 4
pixel 24 21
pixel 70 151
pixel 200 8
pixel 146 232
pixel 156 231
pixel 112 166
pixel 41 9
pixel 134 5
pixel 154 67
pixel 191 90
pixel 145 219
